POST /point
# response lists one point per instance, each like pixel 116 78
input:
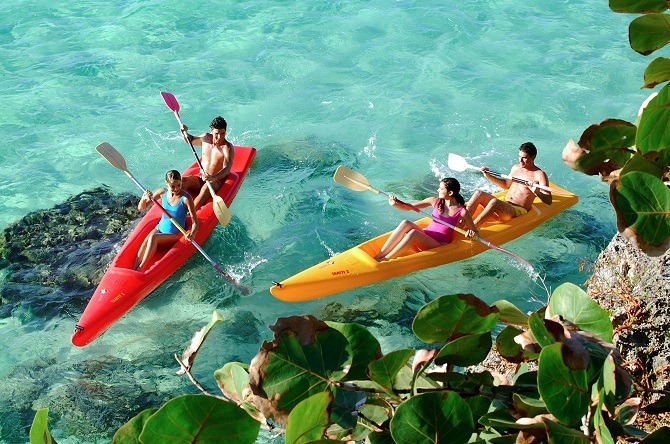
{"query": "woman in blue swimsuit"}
pixel 448 206
pixel 176 202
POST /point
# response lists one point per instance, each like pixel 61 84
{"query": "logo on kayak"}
pixel 337 273
pixel 116 298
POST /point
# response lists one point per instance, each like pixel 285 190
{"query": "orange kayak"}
pixel 357 267
pixel 121 287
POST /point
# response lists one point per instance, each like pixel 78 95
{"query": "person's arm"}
pixel 228 158
pixel 466 219
pixel 545 196
pixel 190 205
pixel 194 140
pixel 502 183
pixel 397 203
pixel 145 200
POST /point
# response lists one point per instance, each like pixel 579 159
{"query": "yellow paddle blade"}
pixel 352 180
pixel 112 155
pixel 221 211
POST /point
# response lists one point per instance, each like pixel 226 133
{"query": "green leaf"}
pixel 200 419
pixel 649 33
pixel 509 313
pixel 564 391
pixel 660 436
pixel 528 406
pixel 232 378
pixel 309 419
pixel 574 305
pixel 451 316
pixel 602 433
pixel 660 406
pixel 509 349
pixel 608 384
pixel 560 434
pixel 365 348
pixel 432 418
pixel 642 204
pixel 188 356
pixel 130 432
pixel 383 371
pixel 638 6
pixel 466 350
pixel 39 430
pixel 502 419
pixel 539 330
pixel 652 134
pixel 304 358
pixel 346 406
pixel 658 71
pixel 653 162
pixel 610 140
pixel 479 406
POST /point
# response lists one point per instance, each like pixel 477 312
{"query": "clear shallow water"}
pixel 388 88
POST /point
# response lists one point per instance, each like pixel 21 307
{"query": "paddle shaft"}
pixel 182 230
pixel 363 184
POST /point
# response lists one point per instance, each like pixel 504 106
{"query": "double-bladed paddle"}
pixel 117 160
pixel 458 163
pixel 357 182
pixel 220 209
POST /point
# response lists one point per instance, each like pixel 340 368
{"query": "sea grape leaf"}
pixel 305 356
pixel 510 314
pixel 602 433
pixel 528 406
pixel 466 350
pixel 39 430
pixel 573 304
pixel 510 349
pixel 626 413
pixel 539 330
pixel 346 406
pixel 610 140
pixel 479 406
pixel 188 356
pixel 365 348
pixel 431 418
pixel 652 134
pixel 642 205
pixel 309 419
pixel 660 436
pixel 649 32
pixel 660 406
pixel 384 370
pixel 558 433
pixel 503 419
pixel 571 155
pixel 607 384
pixel 233 381
pixel 638 6
pixel 199 419
pixel 451 316
pixel 130 432
pixel 658 71
pixel 565 391
pixel 654 163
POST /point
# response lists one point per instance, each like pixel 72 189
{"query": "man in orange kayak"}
pixel 217 159
pixel 520 196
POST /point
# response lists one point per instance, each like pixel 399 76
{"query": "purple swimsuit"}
pixel 439 232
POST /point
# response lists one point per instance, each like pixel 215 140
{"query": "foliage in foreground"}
pixel 635 158
pixel 320 382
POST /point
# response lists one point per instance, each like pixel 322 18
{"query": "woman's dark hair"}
pixel 452 185
pixel 172 175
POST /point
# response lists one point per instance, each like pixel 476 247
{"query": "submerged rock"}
pixel 55 257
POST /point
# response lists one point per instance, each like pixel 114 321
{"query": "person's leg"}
pixel 414 237
pixel 403 228
pixel 491 205
pixel 142 251
pixel 155 240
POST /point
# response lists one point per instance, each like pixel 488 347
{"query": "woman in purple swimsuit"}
pixel 448 206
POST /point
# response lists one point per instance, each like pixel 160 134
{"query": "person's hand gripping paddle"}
pixel 220 208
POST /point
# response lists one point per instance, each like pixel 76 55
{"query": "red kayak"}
pixel 122 287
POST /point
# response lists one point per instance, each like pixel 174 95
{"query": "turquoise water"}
pixel 388 88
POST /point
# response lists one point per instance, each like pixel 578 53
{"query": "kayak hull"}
pixel 121 287
pixel 357 267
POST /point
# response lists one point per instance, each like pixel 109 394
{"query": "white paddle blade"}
pixel 112 155
pixel 458 163
pixel 352 180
